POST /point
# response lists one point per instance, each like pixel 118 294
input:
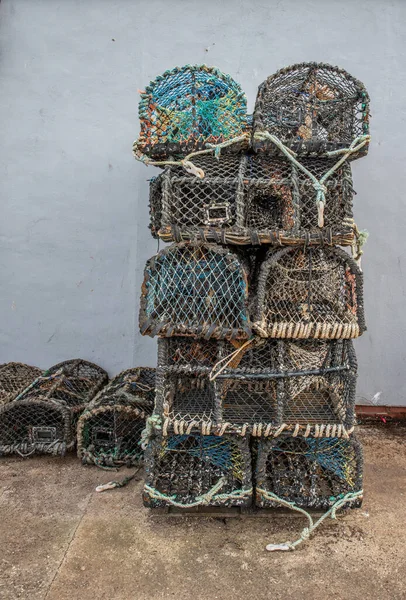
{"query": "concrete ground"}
pixel 60 540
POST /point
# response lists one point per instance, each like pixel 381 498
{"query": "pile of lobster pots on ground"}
pixel 73 404
pixel 257 300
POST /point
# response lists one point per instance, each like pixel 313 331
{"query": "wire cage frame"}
pixel 196 290
pixel 109 429
pixel 15 377
pixel 194 470
pixel 253 199
pixel 309 293
pixel 262 387
pixel 42 418
pixel 312 108
pixel 311 473
pixel 186 108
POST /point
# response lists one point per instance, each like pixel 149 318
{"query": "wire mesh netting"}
pixel 15 377
pixel 109 430
pixel 313 292
pixel 310 472
pixel 193 469
pixel 42 418
pixel 35 426
pixel 186 403
pixel 306 386
pixel 197 290
pixel 188 107
pixel 320 390
pixel 251 199
pixel 312 108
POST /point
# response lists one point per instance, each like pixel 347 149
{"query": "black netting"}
pixel 35 426
pixel 252 199
pixel 188 107
pixel 15 377
pixel 186 402
pixel 309 293
pixel 109 430
pixel 312 108
pixel 311 472
pixel 195 290
pixel 183 468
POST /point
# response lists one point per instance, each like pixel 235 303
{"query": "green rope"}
pixel 318 184
pixel 307 531
pixel 186 162
pixel 204 499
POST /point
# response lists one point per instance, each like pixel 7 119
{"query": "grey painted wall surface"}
pixel 74 214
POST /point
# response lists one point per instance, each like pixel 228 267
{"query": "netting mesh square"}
pixel 188 355
pixel 253 199
pixel 15 377
pixel 42 418
pixel 313 292
pixel 185 470
pixel 313 473
pixel 188 107
pixel 194 289
pixel 312 108
pixel 186 403
pixel 109 429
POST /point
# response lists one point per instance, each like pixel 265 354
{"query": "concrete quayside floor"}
pixel 59 539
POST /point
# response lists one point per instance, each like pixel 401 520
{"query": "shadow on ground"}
pixel 62 541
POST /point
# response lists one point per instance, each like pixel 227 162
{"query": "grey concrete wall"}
pixel 74 215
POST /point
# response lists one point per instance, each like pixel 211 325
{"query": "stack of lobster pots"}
pixel 257 300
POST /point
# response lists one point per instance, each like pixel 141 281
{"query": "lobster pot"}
pixel 109 430
pixel 35 426
pixel 73 382
pixel 309 293
pixel 252 199
pixel 192 470
pixel 188 107
pixel 318 391
pixel 196 290
pixel 311 108
pixel 313 473
pixel 15 377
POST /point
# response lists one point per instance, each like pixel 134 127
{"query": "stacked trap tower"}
pixel 256 301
